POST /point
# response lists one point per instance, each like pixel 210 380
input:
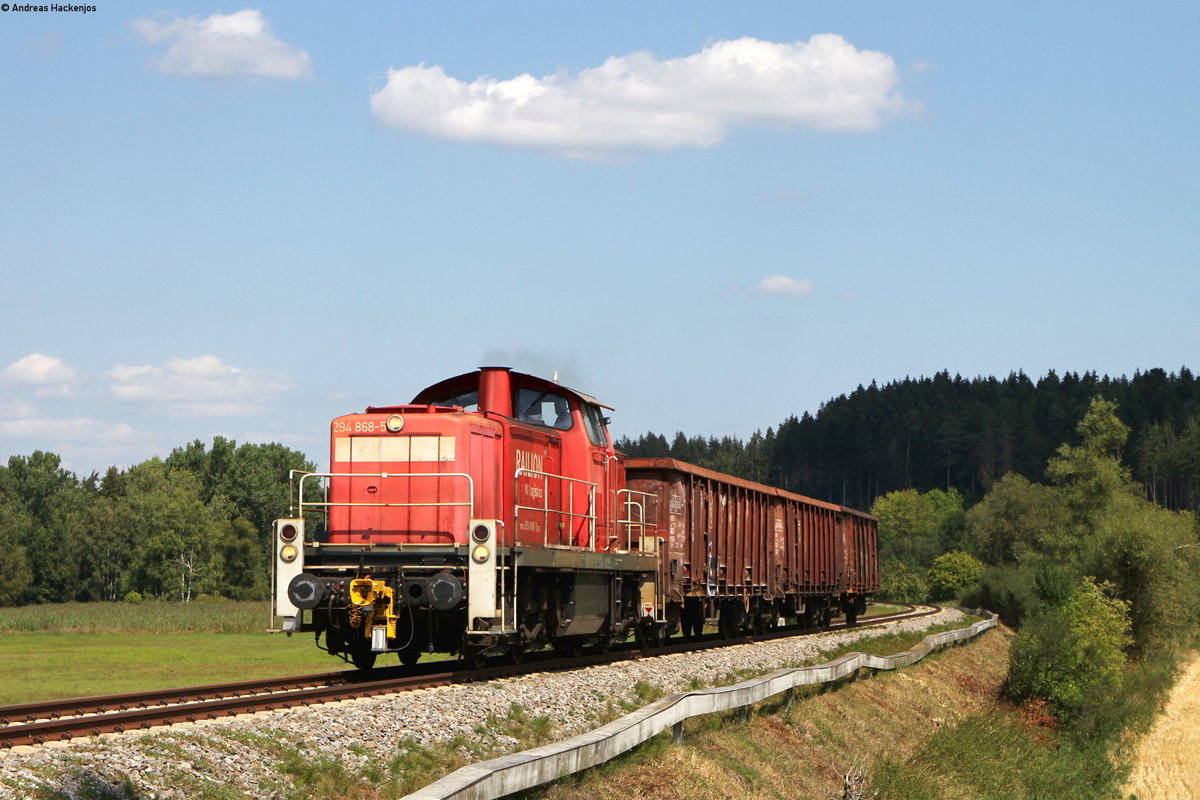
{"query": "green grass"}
pixel 41 666
pixel 80 649
pixel 990 756
pixel 220 616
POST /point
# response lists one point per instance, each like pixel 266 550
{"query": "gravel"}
pixel 240 757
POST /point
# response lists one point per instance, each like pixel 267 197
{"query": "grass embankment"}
pixel 79 649
pixel 745 761
pixel 935 730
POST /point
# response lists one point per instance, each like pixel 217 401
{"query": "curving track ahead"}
pixel 62 720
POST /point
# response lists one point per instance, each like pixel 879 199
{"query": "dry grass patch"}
pixel 803 751
pixel 1166 765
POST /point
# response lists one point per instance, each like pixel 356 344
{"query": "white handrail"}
pixel 470 503
pixel 590 516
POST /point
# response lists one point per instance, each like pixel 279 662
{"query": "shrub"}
pixel 902 583
pixel 133 597
pixel 1006 590
pixel 1072 655
pixel 953 572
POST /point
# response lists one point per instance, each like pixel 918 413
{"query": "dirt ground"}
pixel 1168 764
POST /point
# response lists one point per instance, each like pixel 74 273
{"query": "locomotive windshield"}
pixel 468 400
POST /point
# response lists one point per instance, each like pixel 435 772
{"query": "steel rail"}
pixel 61 720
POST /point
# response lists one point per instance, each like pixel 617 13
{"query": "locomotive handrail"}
pixel 524 770
pixel 470 503
pixel 590 516
pixel 631 523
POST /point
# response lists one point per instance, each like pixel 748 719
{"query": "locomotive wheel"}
pixel 363 658
pixel 475 657
pixel 569 646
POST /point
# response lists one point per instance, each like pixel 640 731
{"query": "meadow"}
pixel 80 649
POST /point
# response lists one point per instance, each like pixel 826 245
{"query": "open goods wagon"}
pixel 750 554
pixel 492 514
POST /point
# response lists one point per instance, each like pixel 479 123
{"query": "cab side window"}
pixel 593 420
pixel 543 408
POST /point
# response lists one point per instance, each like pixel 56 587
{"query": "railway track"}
pixel 62 720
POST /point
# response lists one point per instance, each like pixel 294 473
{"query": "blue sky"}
pixel 246 220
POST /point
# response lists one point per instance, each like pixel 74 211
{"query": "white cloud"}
pixel 19 419
pixel 50 375
pixel 224 46
pixel 84 444
pixel 78 429
pixel 789 287
pixel 12 408
pixel 638 103
pixel 200 386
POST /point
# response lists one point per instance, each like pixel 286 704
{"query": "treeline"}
pixel 951 433
pixel 198 522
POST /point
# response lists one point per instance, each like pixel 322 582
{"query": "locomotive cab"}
pixel 487 515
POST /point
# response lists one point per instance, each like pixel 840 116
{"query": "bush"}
pixel 1073 655
pixel 902 583
pixel 133 597
pixel 1008 591
pixel 952 573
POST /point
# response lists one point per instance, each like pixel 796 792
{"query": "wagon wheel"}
pixel 649 634
pixel 409 657
pixel 516 653
pixel 641 635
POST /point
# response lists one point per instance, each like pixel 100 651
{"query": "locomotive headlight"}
pixel 394 423
pixel 480 554
pixel 288 553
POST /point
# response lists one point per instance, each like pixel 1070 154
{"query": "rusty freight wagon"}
pixel 749 554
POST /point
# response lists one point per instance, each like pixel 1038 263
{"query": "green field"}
pixel 79 649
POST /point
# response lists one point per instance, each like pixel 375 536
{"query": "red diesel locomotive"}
pixel 493 515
